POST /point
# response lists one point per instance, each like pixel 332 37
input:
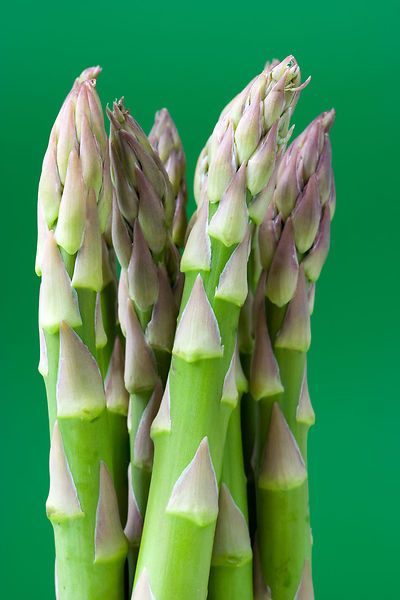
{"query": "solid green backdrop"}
pixel 192 57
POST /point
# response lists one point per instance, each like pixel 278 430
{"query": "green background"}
pixel 192 57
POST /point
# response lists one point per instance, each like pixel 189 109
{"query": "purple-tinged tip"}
pixel 89 74
pixel 328 119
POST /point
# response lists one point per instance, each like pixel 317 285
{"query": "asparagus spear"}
pixel 142 212
pixel 239 581
pixel 74 263
pixel 189 430
pixel 294 242
pixel 164 138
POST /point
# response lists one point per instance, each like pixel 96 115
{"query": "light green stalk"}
pixel 142 219
pixel 74 262
pixel 190 428
pixel 294 242
pixel 231 563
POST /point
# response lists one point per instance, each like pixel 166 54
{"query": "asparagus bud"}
pixel 164 138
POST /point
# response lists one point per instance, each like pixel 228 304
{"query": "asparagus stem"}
pixel 189 432
pixel 294 241
pixel 74 208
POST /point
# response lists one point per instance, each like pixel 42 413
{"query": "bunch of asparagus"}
pixel 174 354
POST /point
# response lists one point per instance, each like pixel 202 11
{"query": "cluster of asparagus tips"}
pixel 153 460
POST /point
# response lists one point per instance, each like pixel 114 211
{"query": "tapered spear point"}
pixel 197 252
pixel 134 524
pixel 232 540
pixel 295 333
pixel 143 448
pixel 72 214
pixel 305 412
pixel 162 421
pixel 229 223
pixel 58 300
pixel 62 502
pixel 142 589
pixel 232 285
pixel 88 271
pixel 140 367
pixel 197 335
pixel 306 588
pixel 282 466
pixel 195 493
pixel 230 392
pixel 117 396
pixel 316 257
pixel 282 276
pixel 110 541
pixel 142 272
pixel 80 392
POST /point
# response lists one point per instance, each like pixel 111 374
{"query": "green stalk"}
pixel 190 428
pixel 74 209
pixel 294 241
